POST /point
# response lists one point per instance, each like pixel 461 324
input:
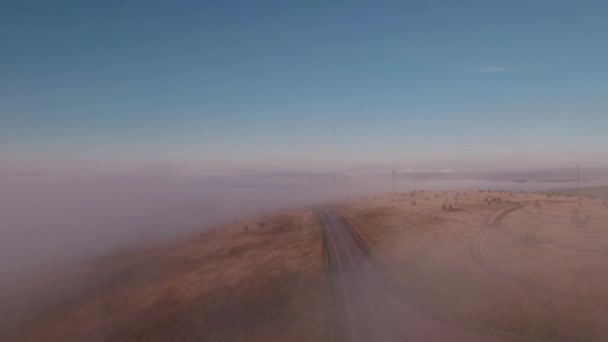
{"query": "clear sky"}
pixel 445 83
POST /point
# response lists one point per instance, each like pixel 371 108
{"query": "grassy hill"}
pixel 261 279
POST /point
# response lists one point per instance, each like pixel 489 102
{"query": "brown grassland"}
pixel 589 192
pixel 539 275
pixel 265 283
pixel 521 266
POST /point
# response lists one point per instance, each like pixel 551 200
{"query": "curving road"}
pixel 476 248
pixel 368 302
pixel 480 259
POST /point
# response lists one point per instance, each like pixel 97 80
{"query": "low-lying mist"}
pixel 50 219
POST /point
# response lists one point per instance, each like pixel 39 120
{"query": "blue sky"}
pixel 418 83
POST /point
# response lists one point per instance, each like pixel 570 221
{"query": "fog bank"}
pixel 51 218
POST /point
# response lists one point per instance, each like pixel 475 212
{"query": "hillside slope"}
pixel 259 279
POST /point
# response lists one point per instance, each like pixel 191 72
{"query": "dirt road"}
pixel 479 258
pixel 369 304
pixel 477 246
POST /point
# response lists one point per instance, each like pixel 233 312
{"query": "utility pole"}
pixel 578 175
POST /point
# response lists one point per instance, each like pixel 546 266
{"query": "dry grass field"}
pixel 600 192
pixel 535 273
pixel 520 266
pixel 260 283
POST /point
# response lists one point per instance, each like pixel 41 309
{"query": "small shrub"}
pixel 246 228
pixel 413 202
pixel 529 239
pixel 106 308
pixel 587 219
